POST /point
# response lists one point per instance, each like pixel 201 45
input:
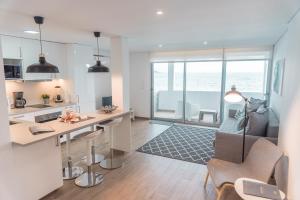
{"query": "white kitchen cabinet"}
pixel 11 47
pixel 24 117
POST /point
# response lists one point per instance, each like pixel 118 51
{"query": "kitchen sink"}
pixel 39 106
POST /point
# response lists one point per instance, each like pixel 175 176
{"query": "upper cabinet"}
pixel 29 50
pixel 11 47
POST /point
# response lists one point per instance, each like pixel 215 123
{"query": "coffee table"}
pixel 238 185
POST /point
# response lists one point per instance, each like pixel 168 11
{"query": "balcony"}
pixel 169 105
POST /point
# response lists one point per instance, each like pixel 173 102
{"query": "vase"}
pixel 46 101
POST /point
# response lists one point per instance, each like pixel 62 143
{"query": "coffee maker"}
pixel 19 101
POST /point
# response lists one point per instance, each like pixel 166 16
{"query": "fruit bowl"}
pixel 109 109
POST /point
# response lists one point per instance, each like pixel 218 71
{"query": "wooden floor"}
pixel 144 176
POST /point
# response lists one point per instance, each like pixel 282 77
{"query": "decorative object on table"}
pixel 39 129
pixel 278 76
pixel 253 189
pixel 181 142
pixel 261 190
pixel 43 66
pixel 234 96
pixel 98 67
pixel 72 117
pixel 58 97
pixel 46 98
pixel 109 109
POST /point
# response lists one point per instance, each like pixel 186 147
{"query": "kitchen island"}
pixel 39 156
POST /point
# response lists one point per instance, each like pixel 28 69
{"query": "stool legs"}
pixel 89 178
pixel 70 172
pixel 112 162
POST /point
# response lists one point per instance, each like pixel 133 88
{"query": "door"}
pixel 167 91
pixel 203 92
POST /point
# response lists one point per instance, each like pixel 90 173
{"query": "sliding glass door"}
pixel 203 92
pixel 193 91
pixel 167 91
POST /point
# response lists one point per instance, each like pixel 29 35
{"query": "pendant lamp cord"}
pixel 41 39
pixel 98 49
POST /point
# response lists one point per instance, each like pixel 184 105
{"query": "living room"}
pixel 149 100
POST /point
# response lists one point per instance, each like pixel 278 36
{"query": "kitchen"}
pixel 72 89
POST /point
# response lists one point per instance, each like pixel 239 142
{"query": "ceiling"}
pixel 185 24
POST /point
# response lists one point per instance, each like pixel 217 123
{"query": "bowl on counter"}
pixel 109 109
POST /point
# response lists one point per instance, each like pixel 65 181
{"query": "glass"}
pixel 249 77
pixel 167 98
pixel 203 91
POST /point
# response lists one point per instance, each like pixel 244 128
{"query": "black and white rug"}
pixel 181 142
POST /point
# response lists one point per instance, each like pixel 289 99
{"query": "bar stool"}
pixel 111 162
pixel 70 172
pixel 96 158
pixel 90 178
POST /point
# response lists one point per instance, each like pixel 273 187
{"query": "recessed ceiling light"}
pixel 160 45
pixel 31 32
pixel 205 42
pixel 159 12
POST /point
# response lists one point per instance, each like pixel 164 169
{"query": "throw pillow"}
pixel 257 124
pixel 254 104
pixel 261 109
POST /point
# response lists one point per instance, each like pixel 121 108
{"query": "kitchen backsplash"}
pixel 34 90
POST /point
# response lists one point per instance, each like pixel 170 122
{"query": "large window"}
pixel 249 76
pixel 192 90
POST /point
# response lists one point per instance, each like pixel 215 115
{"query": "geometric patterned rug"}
pixel 181 142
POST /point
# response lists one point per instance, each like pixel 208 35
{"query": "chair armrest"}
pixel 229 146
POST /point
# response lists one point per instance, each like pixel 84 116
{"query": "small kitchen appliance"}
pixel 58 97
pixel 19 101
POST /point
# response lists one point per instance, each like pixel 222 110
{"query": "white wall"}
pixel 90 87
pixel 140 84
pixel 120 73
pixel 288 105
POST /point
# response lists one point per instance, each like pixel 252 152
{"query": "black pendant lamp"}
pixel 98 67
pixel 42 66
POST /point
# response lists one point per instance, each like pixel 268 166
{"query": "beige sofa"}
pixel 228 141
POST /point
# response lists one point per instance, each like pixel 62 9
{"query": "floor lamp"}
pixel 234 96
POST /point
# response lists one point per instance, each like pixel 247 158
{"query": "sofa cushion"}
pixel 230 125
pixel 257 124
pixel 254 104
pixel 273 125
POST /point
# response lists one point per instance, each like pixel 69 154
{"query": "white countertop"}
pixel 18 111
pixel 21 135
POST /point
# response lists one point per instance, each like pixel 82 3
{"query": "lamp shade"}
pixel 98 68
pixel 233 96
pixel 42 67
